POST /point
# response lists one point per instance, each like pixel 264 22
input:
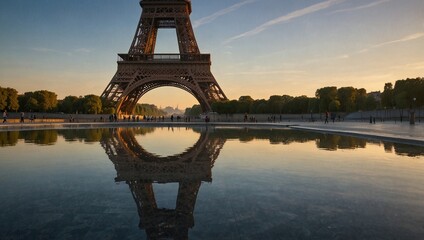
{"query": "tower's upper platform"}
pixel 166 2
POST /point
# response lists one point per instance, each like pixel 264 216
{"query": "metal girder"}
pixel 141 70
pixel 140 169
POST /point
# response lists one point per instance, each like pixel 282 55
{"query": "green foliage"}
pixel 148 110
pixel 326 95
pixel 47 101
pixel 260 106
pixel 406 90
pixel 371 103
pixel 244 104
pixel 361 99
pixel 92 104
pixel 108 106
pixel 313 105
pixel 3 98
pixel 347 98
pixel 402 99
pixel 387 98
pixel 69 104
pixel 12 99
pixel 334 106
pixel 194 111
pixel 38 101
pixel 297 105
pixel 9 99
pixel 275 104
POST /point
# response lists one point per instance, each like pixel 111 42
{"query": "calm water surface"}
pixel 184 183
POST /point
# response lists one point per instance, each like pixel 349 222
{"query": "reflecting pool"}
pixel 207 183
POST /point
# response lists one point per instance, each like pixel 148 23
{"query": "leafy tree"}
pixel 47 101
pixel 31 104
pixel 231 107
pixel 298 105
pixel 334 106
pixel 108 106
pixel 218 107
pixel 371 103
pixel 361 99
pixel 406 90
pixel 260 106
pixel 195 111
pixel 275 104
pixel 38 101
pixel 9 99
pixel 278 104
pixel 387 99
pixel 69 104
pixel 92 104
pixel 12 99
pixel 313 105
pixel 3 98
pixel 245 104
pixel 148 110
pixel 326 95
pixel 402 100
pixel 347 98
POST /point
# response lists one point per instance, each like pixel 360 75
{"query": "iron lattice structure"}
pixel 141 169
pixel 141 70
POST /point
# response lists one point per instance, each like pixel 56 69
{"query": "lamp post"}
pixel 394 113
pixel 312 118
pixel 385 114
pixel 412 112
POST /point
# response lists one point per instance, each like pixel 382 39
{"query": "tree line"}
pixel 407 93
pixel 46 101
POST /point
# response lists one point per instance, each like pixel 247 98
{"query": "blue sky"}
pixel 258 47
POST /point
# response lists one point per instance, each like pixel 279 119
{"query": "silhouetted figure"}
pixel 5 116
pixel 326 117
pixel 22 117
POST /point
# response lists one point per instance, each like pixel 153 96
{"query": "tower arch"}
pixel 141 70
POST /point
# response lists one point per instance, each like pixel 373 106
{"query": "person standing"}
pixel 22 117
pixel 5 116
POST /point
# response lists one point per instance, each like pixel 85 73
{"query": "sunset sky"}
pixel 258 47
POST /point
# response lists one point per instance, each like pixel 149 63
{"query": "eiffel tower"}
pixel 141 170
pixel 141 70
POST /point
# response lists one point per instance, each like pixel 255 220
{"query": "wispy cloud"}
pixel 408 38
pixel 286 18
pixel 222 12
pixel 267 72
pixel 411 66
pixel 369 5
pixel 83 50
pixel 50 50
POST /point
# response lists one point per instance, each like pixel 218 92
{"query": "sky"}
pixel 258 47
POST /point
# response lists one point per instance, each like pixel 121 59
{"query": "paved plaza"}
pixel 398 132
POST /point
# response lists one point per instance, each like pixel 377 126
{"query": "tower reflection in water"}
pixel 141 169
